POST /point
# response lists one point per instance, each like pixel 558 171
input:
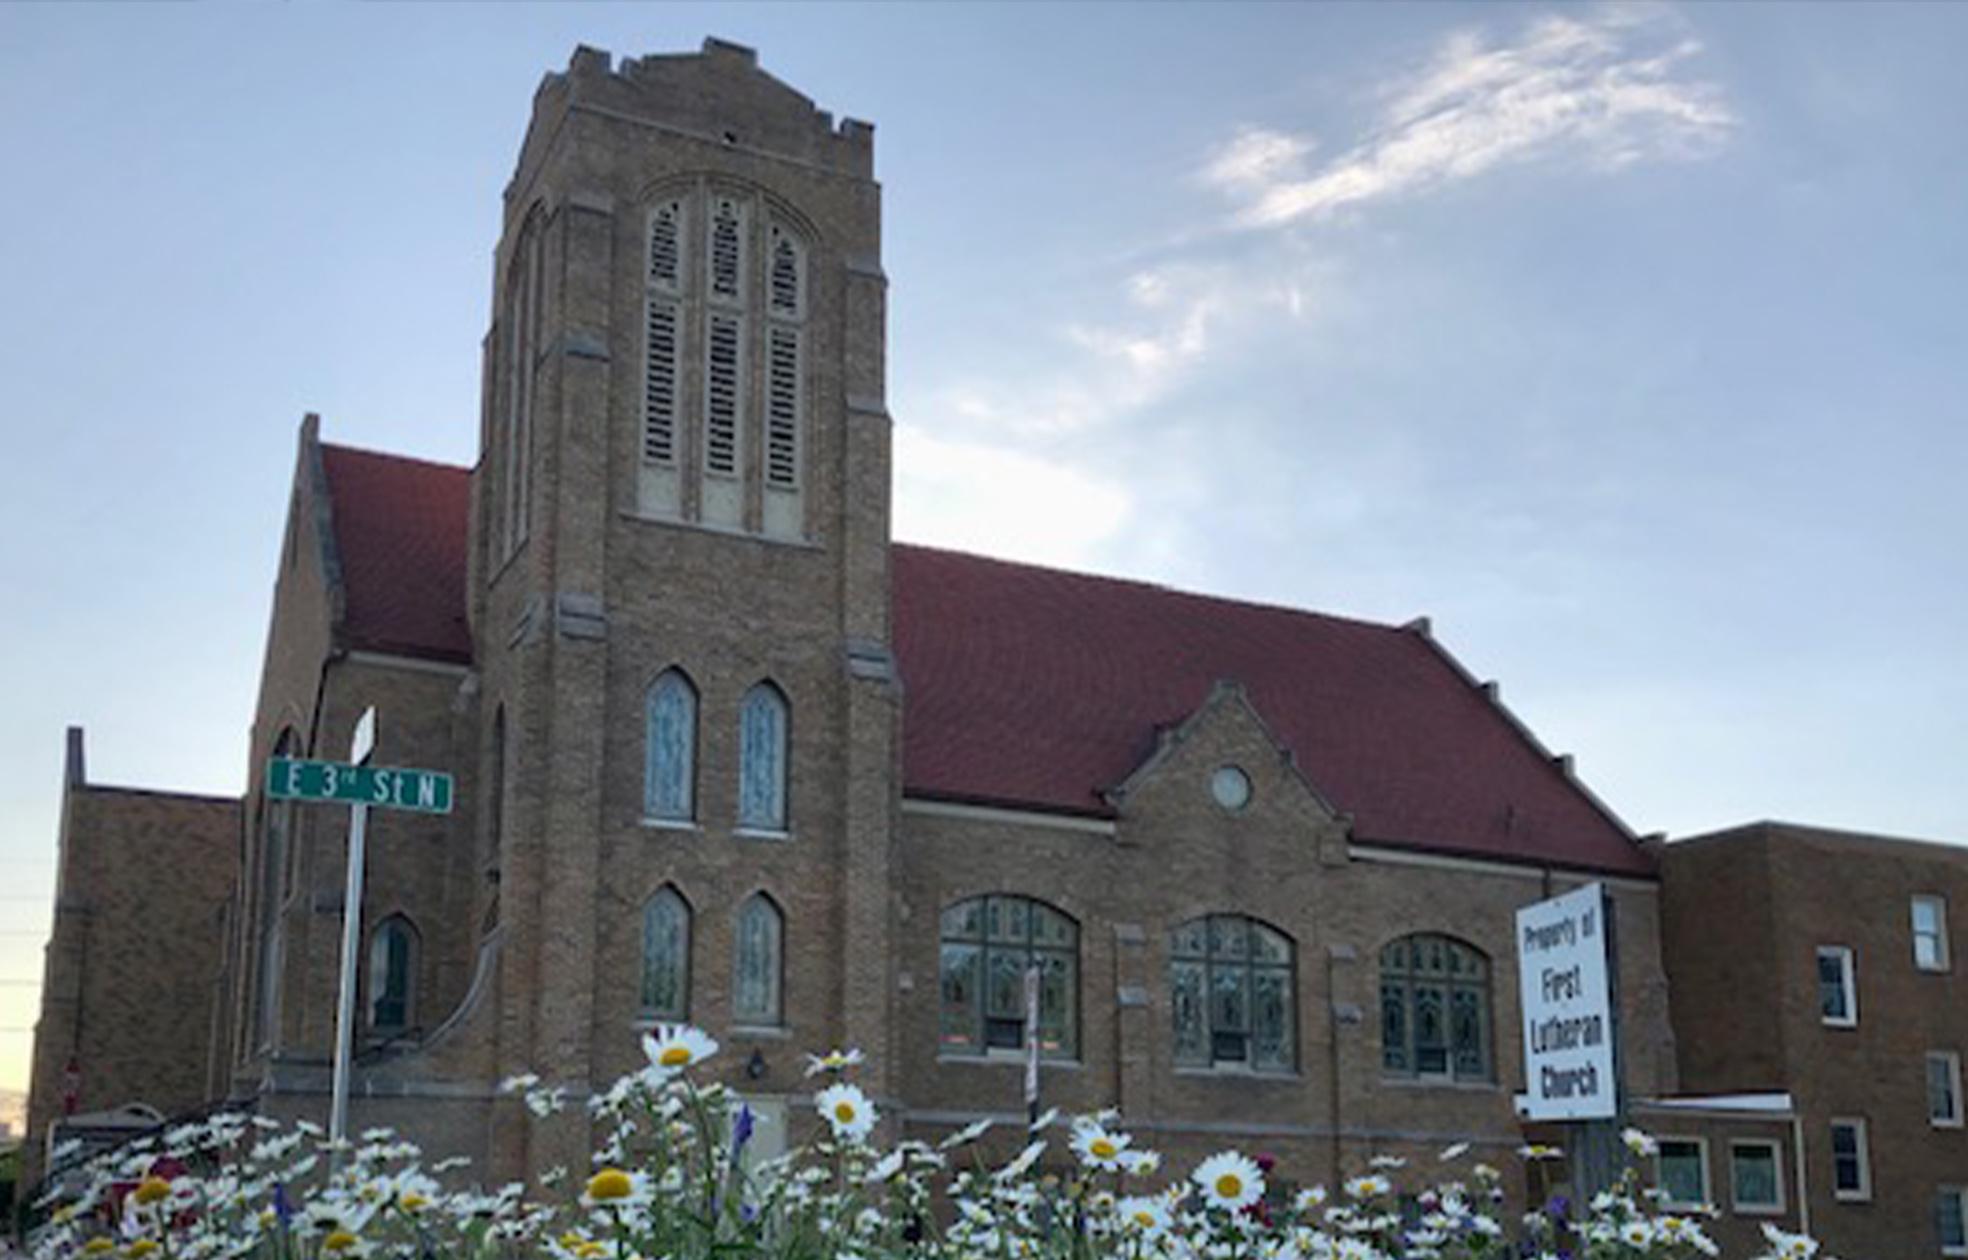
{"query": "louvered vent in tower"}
pixel 666 247
pixel 785 275
pixel 782 377
pixel 727 249
pixel 659 384
pixel 721 403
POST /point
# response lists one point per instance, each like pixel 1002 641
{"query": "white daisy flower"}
pixel 832 1061
pixel 1453 1152
pixel 964 1136
pixel 1639 1143
pixel 1022 1162
pixel 847 1109
pixel 1144 1214
pixel 615 1188
pixel 1229 1180
pixel 1367 1187
pixel 1045 1121
pixel 1140 1163
pixel 677 1046
pixel 1097 1147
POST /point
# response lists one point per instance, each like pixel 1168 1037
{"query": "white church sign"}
pixel 1562 973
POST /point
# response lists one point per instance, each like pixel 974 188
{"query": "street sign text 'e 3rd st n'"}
pixel 384 787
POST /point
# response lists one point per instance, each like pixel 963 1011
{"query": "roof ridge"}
pixel 395 457
pixel 1158 588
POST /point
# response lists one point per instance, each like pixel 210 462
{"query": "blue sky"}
pixel 1625 342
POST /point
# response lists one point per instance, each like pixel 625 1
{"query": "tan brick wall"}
pixel 136 940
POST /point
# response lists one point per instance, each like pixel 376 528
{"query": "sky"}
pixel 1626 343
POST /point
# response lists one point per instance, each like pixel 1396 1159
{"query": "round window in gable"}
pixel 1231 787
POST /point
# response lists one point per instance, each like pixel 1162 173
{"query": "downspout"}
pixel 1797 1154
pixel 1332 1057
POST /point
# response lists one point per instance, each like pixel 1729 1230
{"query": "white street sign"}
pixel 1567 1008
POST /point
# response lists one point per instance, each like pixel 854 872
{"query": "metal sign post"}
pixel 361 787
pixel 1032 1043
pixel 360 747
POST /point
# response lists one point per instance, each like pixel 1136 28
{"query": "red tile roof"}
pixel 401 526
pixel 1036 688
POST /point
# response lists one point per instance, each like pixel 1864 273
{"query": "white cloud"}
pixel 1603 89
pixel 984 497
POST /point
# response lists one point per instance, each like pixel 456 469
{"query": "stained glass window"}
pixel 762 759
pixel 755 987
pixel 1231 989
pixel 988 944
pixel 1434 1009
pixel 392 957
pixel 666 956
pixel 669 781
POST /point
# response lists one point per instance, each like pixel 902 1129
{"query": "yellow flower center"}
pixel 1144 1219
pixel 844 1112
pixel 413 1201
pixel 1101 1148
pixel 571 1240
pixel 589 1250
pixel 141 1248
pixel 675 1056
pixel 151 1190
pixel 609 1183
pixel 1229 1186
pixel 340 1240
pixel 96 1246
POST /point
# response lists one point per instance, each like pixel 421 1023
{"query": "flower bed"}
pixel 675 1177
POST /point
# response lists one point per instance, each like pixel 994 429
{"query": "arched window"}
pixel 988 944
pixel 762 759
pixel 1435 1009
pixel 669 791
pixel 1230 983
pixel 756 982
pixel 666 956
pixel 277 822
pixel 392 974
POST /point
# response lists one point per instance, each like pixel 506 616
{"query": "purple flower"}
pixel 741 1129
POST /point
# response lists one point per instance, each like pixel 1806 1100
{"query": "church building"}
pixel 727 753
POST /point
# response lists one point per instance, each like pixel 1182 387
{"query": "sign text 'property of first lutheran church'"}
pixel 1562 976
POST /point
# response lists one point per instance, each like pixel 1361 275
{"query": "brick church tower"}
pixel 679 566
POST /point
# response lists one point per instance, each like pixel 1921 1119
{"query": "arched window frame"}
pixel 276 864
pixel 758 963
pixel 1429 979
pixel 1233 984
pixel 669 783
pixel 764 746
pixel 390 981
pixel 986 943
pixel 665 996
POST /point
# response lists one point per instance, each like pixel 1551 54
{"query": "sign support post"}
pixel 1032 1043
pixel 360 748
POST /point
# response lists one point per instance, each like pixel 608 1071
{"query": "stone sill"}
pixel 1006 1060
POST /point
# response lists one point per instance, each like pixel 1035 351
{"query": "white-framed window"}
pixel 1944 1089
pixel 762 723
pixel 758 963
pixel 1838 986
pixel 392 974
pixel 1756 1176
pixel 1681 1172
pixel 669 787
pixel 1951 1219
pixel 1435 1009
pixel 1930 934
pixel 1230 990
pixel 665 956
pixel 1851 1159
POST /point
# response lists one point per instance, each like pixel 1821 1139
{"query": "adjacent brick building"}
pixel 726 753
pixel 1820 965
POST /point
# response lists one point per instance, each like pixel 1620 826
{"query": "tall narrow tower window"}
pixel 785 380
pixel 669 775
pixel 727 250
pixel 666 248
pixel 755 987
pixel 662 326
pixel 665 956
pixel 723 394
pixel 762 759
